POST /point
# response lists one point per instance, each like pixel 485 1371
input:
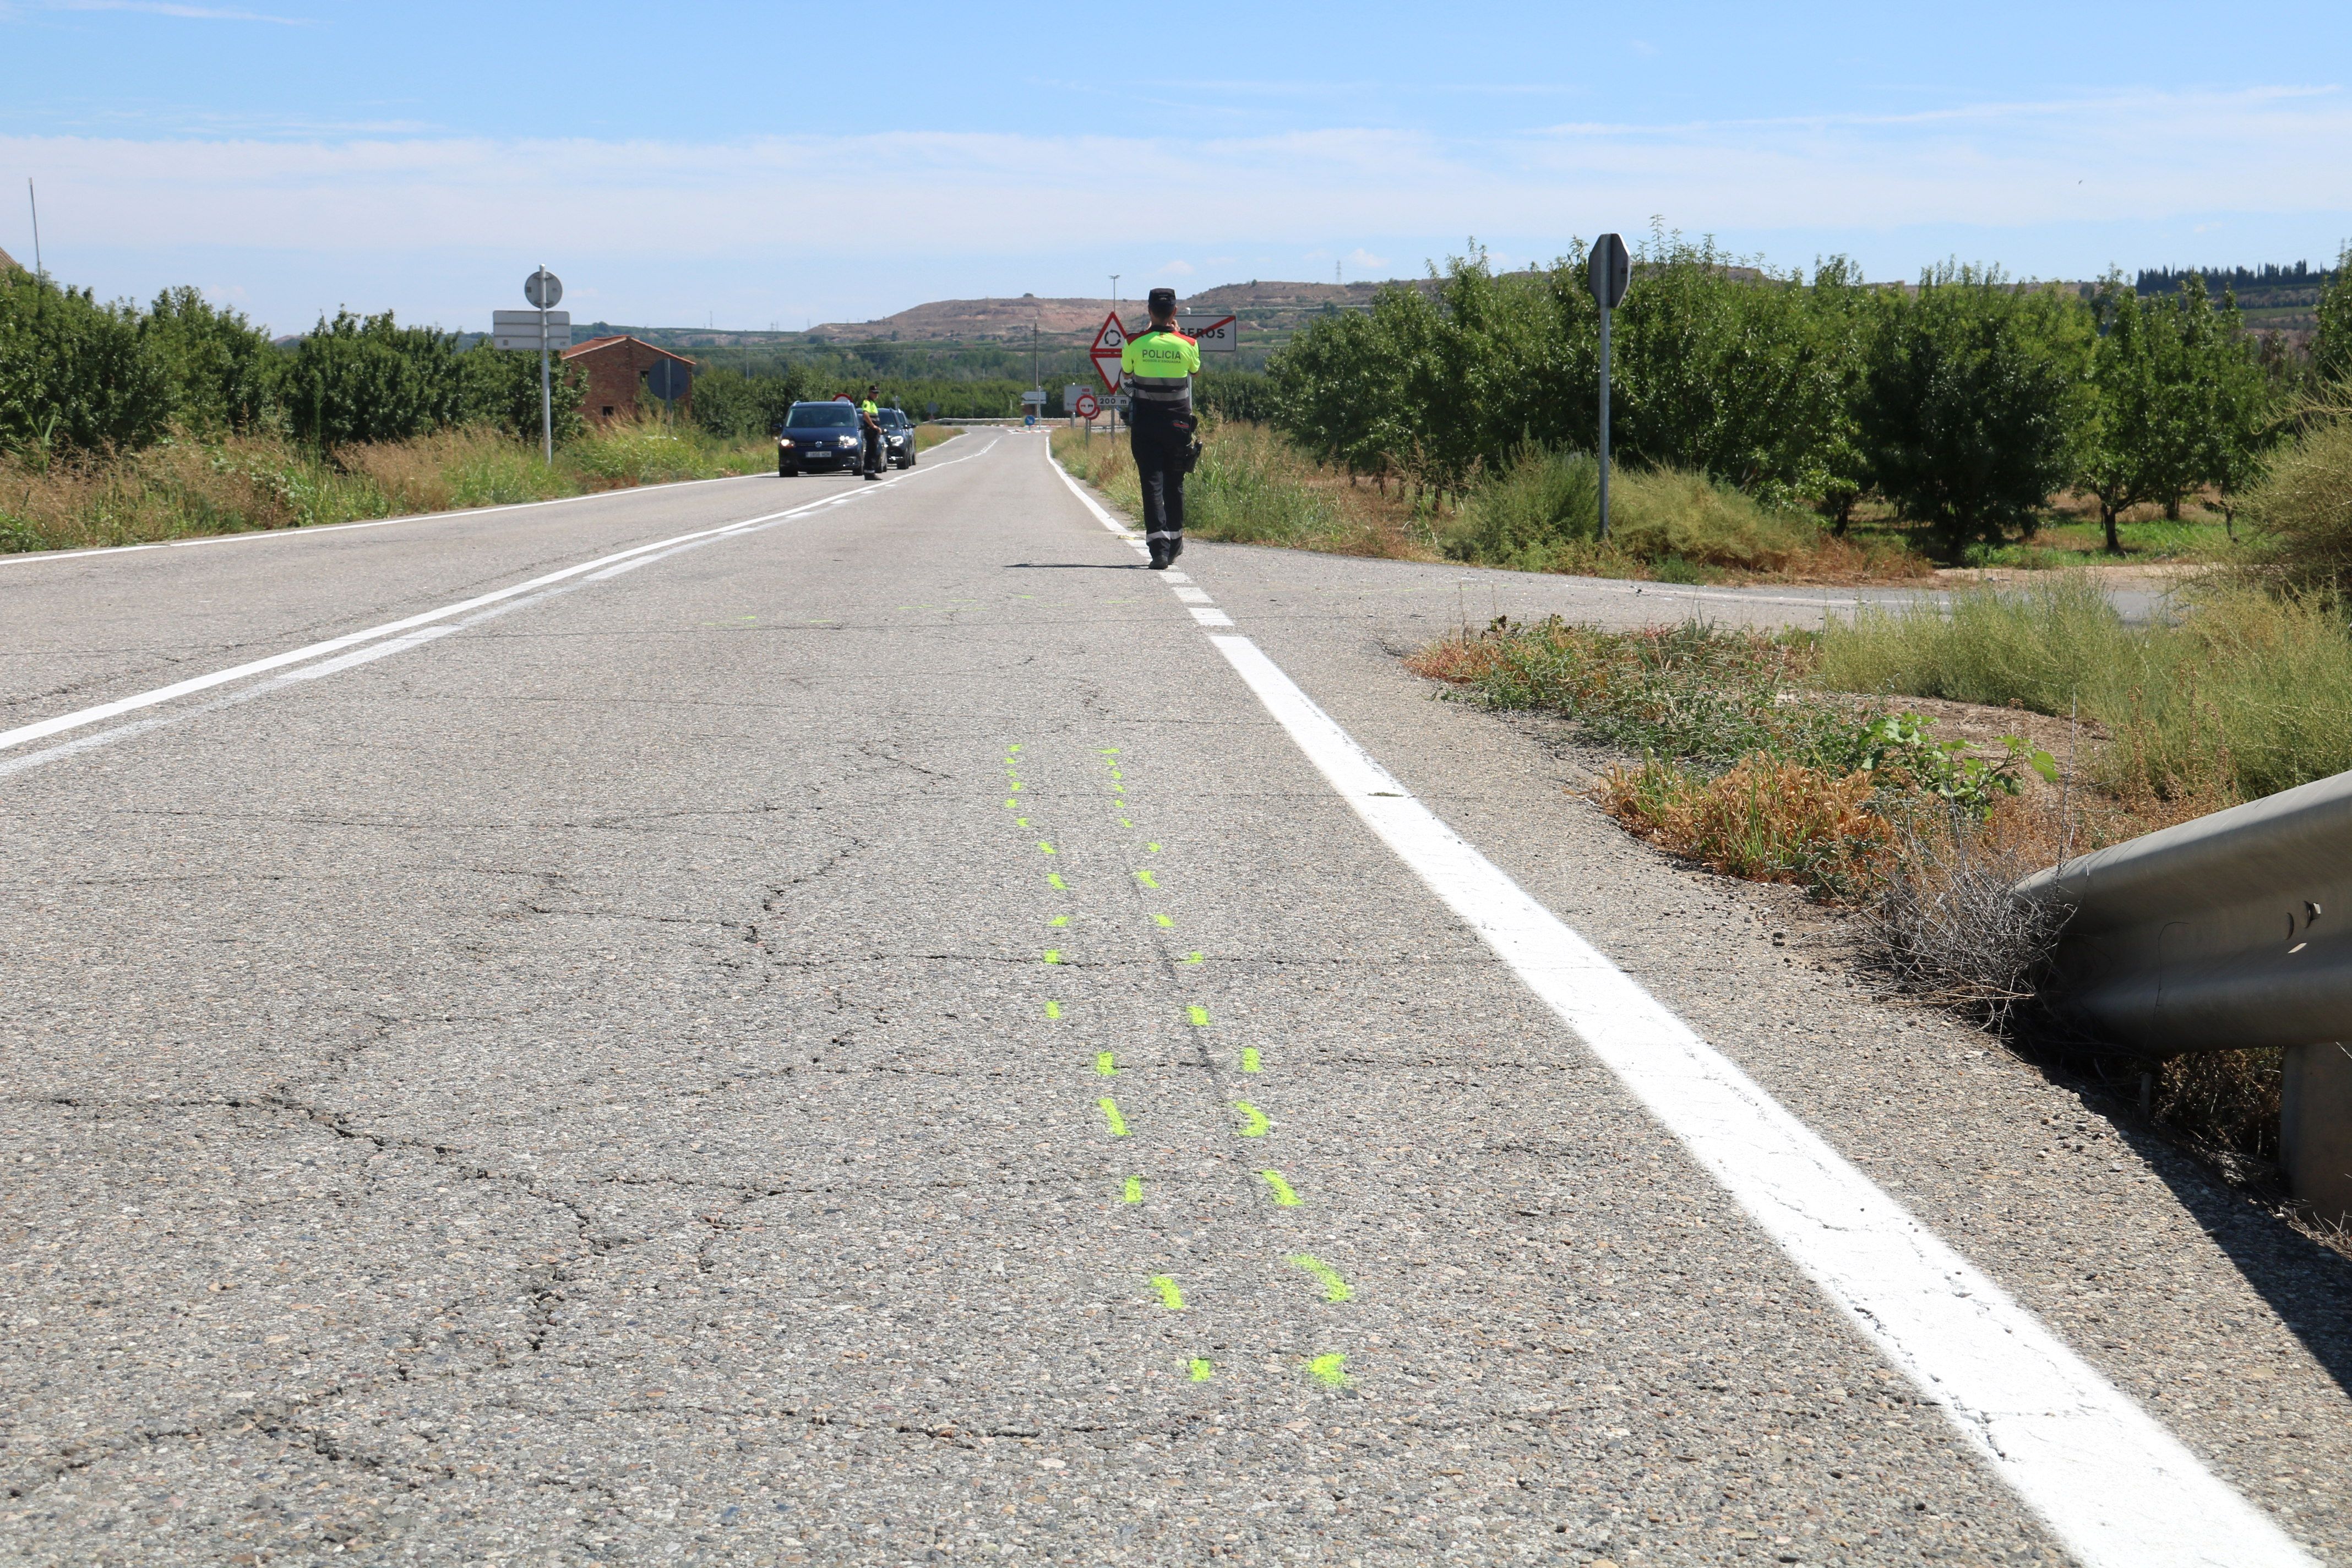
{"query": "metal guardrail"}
pixel 2230 932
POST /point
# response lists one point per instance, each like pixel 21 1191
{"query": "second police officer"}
pixel 1156 370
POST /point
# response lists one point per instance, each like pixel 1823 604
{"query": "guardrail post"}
pixel 2315 1129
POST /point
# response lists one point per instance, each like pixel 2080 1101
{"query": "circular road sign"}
pixel 543 289
pixel 1086 408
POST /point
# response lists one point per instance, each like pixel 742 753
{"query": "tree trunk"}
pixel 2107 521
pixel 2172 509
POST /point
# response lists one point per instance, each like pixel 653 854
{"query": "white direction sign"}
pixel 520 329
pixel 1105 353
pixel 1216 335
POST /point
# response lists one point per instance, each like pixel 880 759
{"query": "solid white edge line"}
pixel 34 558
pixel 42 728
pixel 2116 1487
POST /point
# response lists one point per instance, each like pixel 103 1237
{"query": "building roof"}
pixel 8 262
pixel 593 345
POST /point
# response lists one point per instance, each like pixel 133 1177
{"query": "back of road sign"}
pixel 520 329
pixel 1607 270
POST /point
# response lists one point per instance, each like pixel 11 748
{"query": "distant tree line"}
pixel 2235 280
pixel 1965 402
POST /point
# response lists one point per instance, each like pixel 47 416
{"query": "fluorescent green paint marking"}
pixel 1106 1062
pixel 1170 1297
pixel 1117 775
pixel 1135 1189
pixel 1334 1288
pixel 1053 955
pixel 1203 1368
pixel 1119 789
pixel 1124 823
pixel 1329 1370
pixel 1192 958
pixel 1154 848
pixel 1023 822
pixel 1054 880
pixel 1059 920
pixel 1284 1197
pixel 1163 919
pixel 1011 751
pixel 1253 1121
pixel 1046 848
pixel 1111 1113
pixel 1197 1015
pixel 1017 786
pixel 1011 804
pixel 1249 1058
pixel 1107 751
pixel 1053 1009
pixel 1142 876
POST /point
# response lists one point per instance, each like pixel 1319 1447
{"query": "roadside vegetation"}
pixel 1801 758
pixel 119 425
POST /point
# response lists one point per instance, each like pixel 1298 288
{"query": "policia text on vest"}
pixel 1157 370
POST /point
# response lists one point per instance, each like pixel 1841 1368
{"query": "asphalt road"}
pixel 862 1039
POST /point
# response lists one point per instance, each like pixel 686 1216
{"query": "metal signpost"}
pixel 543 328
pixel 1609 270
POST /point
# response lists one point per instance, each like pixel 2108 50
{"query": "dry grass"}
pixel 185 487
pixel 1763 819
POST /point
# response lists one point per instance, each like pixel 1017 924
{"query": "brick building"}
pixel 617 367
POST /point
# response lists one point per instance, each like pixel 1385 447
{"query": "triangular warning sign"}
pixel 1112 338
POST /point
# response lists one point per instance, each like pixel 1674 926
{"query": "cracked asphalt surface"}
pixel 592 1088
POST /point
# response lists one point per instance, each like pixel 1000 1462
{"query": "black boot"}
pixel 1175 548
pixel 1159 548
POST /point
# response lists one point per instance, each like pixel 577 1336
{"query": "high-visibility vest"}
pixel 1157 369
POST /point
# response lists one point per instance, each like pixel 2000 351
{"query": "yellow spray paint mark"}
pixel 1044 849
pixel 1249 1058
pixel 1197 1015
pixel 1124 823
pixel 1011 750
pixel 1054 880
pixel 1107 751
pixel 1192 958
pixel 1163 919
pixel 1253 1121
pixel 1119 789
pixel 1017 786
pixel 1106 1062
pixel 1053 1009
pixel 1203 1368
pixel 1170 1297
pixel 1023 822
pixel 1135 1189
pixel 1110 1114
pixel 1329 1370
pixel 1334 1288
pixel 1153 849
pixel 1117 775
pixel 1053 955
pixel 1142 876
pixel 1059 920
pixel 1284 1197
pixel 1011 804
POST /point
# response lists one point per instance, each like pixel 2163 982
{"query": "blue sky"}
pixel 777 164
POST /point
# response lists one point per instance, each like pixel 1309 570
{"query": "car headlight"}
pixel 784 441
pixel 849 440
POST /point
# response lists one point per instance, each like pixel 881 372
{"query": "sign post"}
pixel 1607 273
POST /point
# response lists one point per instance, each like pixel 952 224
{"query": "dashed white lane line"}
pixel 1212 617
pixel 2118 1489
pixel 59 723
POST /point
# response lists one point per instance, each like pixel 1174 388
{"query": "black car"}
pixel 818 437
pixel 897 438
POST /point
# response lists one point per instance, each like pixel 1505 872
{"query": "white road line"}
pixel 38 557
pixel 380 650
pixel 1212 617
pixel 2116 1487
pixel 41 729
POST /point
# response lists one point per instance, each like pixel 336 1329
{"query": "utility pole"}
pixel 33 202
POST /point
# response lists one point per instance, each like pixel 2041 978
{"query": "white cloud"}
pixel 772 212
pixel 185 13
pixel 1364 261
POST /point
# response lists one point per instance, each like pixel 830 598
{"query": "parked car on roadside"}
pixel 897 438
pixel 818 437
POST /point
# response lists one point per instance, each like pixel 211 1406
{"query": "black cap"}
pixel 1161 299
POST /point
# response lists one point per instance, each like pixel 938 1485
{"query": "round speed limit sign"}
pixel 1086 408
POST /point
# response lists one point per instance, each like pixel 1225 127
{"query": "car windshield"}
pixel 893 419
pixel 821 416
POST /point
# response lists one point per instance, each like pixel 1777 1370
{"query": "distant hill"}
pixel 1279 308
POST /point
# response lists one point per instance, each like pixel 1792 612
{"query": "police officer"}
pixel 869 418
pixel 1156 369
